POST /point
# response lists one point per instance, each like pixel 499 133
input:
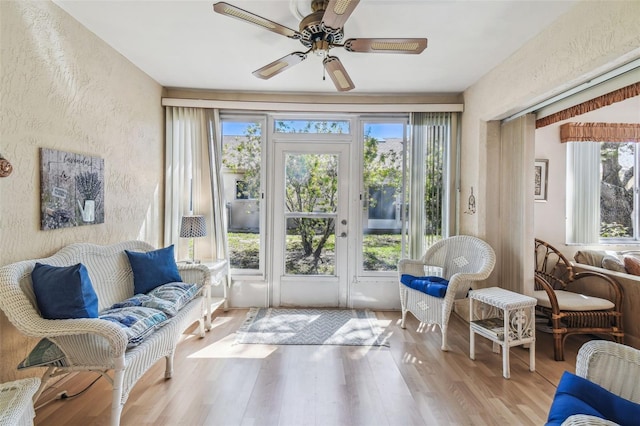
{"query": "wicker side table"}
pixel 16 402
pixel 512 323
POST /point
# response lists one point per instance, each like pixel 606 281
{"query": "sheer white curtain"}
pixel 583 192
pixel 193 184
pixel 218 211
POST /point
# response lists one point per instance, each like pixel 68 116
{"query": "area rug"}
pixel 276 326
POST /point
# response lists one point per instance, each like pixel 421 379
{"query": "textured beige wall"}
pixel 65 89
pixel 592 38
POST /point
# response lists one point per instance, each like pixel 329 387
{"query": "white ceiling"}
pixel 186 44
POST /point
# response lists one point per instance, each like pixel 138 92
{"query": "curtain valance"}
pixel 591 105
pixel 600 132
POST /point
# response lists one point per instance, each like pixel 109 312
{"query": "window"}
pixel 382 177
pixel 397 168
pixel 242 147
pixel 619 190
pixel 602 182
pixel 312 126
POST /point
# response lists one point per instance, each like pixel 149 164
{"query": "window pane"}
pixel 382 178
pixel 312 126
pixel 241 160
pixel 617 189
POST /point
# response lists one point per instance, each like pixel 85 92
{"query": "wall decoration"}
pixel 541 176
pixel 71 189
pixel 471 204
pixel 5 167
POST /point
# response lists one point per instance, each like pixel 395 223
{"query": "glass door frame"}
pixel 313 290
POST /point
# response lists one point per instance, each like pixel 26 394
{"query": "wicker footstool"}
pixel 16 403
pixel 512 323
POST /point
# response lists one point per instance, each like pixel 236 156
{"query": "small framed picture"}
pixel 541 176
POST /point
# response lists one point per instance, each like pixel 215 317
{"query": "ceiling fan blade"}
pixel 386 45
pixel 338 74
pixel 337 13
pixel 235 12
pixel 276 67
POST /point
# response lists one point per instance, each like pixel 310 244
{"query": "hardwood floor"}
pixel 412 382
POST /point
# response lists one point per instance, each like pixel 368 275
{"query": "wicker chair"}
pixel 16 404
pixel 613 366
pixel 570 312
pixel 463 259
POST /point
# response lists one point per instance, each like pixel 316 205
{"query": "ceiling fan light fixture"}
pixel 320 31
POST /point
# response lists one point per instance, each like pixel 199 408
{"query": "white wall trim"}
pixel 311 107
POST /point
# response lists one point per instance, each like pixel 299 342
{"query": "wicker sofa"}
pixel 96 344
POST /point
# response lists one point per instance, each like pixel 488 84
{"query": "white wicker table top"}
pixel 501 298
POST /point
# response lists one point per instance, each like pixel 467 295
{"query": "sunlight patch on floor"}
pixel 227 348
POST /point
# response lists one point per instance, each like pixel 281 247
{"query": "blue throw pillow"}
pixel 577 395
pixel 433 286
pixel 64 292
pixel 153 268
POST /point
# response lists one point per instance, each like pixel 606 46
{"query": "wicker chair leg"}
pixel 444 347
pixel 404 316
pixel 116 401
pixel 168 372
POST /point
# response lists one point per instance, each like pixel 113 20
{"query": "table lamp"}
pixel 193 226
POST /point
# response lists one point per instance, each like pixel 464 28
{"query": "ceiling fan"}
pixel 320 31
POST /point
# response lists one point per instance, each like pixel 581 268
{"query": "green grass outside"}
pixel 381 253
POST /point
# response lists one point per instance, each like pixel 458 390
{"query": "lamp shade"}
pixel 193 226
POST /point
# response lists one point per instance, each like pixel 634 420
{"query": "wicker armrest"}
pixel 80 329
pixel 542 284
pixel 586 420
pixel 613 366
pixel 195 273
pixel 411 266
pixel 616 289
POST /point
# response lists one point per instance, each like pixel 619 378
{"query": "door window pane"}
pixel 310 248
pixel 311 189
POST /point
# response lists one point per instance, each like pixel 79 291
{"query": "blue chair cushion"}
pixel 64 292
pixel 577 395
pixel 152 269
pixel 433 286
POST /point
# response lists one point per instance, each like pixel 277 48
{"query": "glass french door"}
pixel 311 224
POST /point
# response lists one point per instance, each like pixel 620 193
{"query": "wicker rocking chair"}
pixel 571 312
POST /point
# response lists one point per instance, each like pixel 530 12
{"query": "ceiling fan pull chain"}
pixel 324 70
